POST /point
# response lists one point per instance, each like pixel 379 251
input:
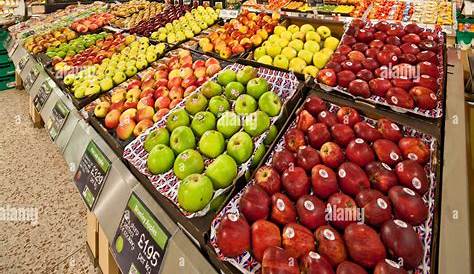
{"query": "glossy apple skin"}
pixel 400 98
pixel 311 211
pixel 283 210
pixel 383 267
pixel 342 134
pixel 327 77
pixel 295 182
pixel 427 82
pixel 428 68
pixel 352 179
pixel 331 154
pixel 378 211
pixel 348 116
pixel 359 87
pixel 277 260
pixel 305 120
pixel 327 118
pixel 407 205
pixel 389 130
pixel 367 132
pixel 268 178
pixel 318 134
pixel 414 149
pixel 370 63
pixel 233 236
pixel 381 176
pixel 323 181
pixel 307 157
pixel 294 138
pixel 402 241
pixel 412 175
pixel 387 152
pixel 424 97
pixel 297 240
pixel 359 152
pixel 330 244
pixel 364 245
pixel 314 105
pixel 340 200
pixel 255 203
pixel 264 235
pixel 345 77
pixel 282 160
pixel 313 263
pixel 348 267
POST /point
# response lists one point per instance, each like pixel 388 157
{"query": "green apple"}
pixel 188 162
pixel 259 52
pixel 272 134
pixel 258 155
pixel 324 31
pixel 312 36
pixel 289 52
pixel 256 87
pixel 331 43
pixel 279 29
pixel 106 84
pixel 270 103
pixel 176 118
pixel 311 46
pixel 218 105
pixel 256 123
pixel 293 28
pixel 160 159
pixel 119 77
pixel 212 143
pixel 92 88
pixel 131 71
pixel 311 70
pixel 246 74
pixel 306 55
pixel 267 60
pixel 195 192
pixel 320 59
pixel 273 49
pixel 228 124
pixel 286 35
pixel 182 138
pixel 233 90
pixel 69 79
pixel 299 35
pixel 195 103
pixel 226 76
pixel 240 147
pixel 281 61
pixel 222 171
pixel 297 64
pixel 296 44
pixel 141 63
pixel 211 89
pixel 202 122
pixel 306 28
pixel 245 104
pixel 80 92
pixel 157 136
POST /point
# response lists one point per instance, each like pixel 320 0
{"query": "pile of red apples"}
pixel 395 62
pixel 334 159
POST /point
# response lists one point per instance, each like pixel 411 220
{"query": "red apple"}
pixel 400 98
pixel 427 56
pixel 297 240
pixel 282 160
pixel 311 211
pixel 331 154
pixel 408 58
pixel 428 45
pixel 339 57
pixel 364 36
pixel 313 263
pixel 314 105
pixel 389 130
pixel 378 44
pixel 255 203
pixel 279 260
pixel 359 152
pixel 295 182
pixel 347 267
pixel 345 77
pixel 356 56
pixel 265 234
pixel 268 178
pixel 381 176
pixel 327 118
pixel 379 35
pixel 341 203
pixel 283 210
pixel 412 175
pixel 387 152
pixel 294 138
pixel 327 77
pixel 428 68
pixel 365 75
pixel 389 267
pixel 307 157
pixel 393 40
pixel 364 245
pixel 403 83
pixel 379 86
pixel 386 57
pixel 343 49
pixel 353 66
pixel 414 149
pixel 352 178
pixel 366 131
pixel 330 245
pixel 305 120
pixel 407 205
pixel 348 116
pixel 370 63
pixel 361 47
pixel 318 134
pixel 323 181
pixel 371 53
pixel 424 97
pixel 233 235
pixel 359 87
pixel 334 66
pixel 410 48
pixel 426 81
pixel 342 134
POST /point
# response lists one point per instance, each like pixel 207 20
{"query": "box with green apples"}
pixel 197 152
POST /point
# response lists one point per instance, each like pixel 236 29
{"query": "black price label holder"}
pixel 57 119
pixel 92 173
pixel 23 61
pixel 140 241
pixel 32 76
pixel 43 95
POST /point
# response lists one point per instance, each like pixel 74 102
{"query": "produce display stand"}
pixel 189 237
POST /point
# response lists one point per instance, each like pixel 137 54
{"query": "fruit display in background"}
pixel 154 93
pixel 129 14
pixel 304 49
pixel 136 56
pixel 239 34
pixel 345 245
pixel 221 139
pixel 74 46
pixel 41 42
pixel 92 23
pixel 390 63
pixel 189 24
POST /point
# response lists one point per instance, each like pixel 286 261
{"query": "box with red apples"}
pixel 149 95
pixel 341 191
pixel 401 67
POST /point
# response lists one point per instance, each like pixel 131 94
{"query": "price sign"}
pixel 32 76
pixel 23 61
pixel 42 95
pixel 92 173
pixel 229 14
pixel 140 240
pixel 57 119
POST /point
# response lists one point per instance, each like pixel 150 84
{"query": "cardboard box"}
pixel 92 235
pixel 106 260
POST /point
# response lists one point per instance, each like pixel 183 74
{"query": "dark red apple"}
pixel 364 36
pixel 383 26
pixel 345 77
pixel 359 87
pixel 314 105
pixel 282 160
pixel 348 116
pixel 407 205
pixel 343 49
pixel 361 47
pixel 278 260
pixel 297 240
pixel 323 181
pixel 424 98
pixel 295 182
pixel 366 196
pixel 342 134
pixel 412 28
pixel 428 68
pixel 264 235
pixel 283 210
pixel 311 211
pixel 396 30
pixel 428 34
pixel 389 130
pixel 393 40
pixel 379 86
pixel 379 35
pixel 347 267
pixel 383 72
pixel 331 154
pixel 404 71
pixel 387 152
pixel 400 98
pixel 389 267
pixel 342 210
pixel 411 38
pixel 356 56
pixel 403 83
pixel 412 175
pixel 294 138
pixel 334 66
pixel 359 152
pixel 414 149
pixel 352 178
pixel 365 75
pixel 427 44
pixel 364 245
pixel 307 157
pixel 426 81
pixel 427 56
pixel 255 203
pixel 318 134
pixel 410 48
pixel 339 57
pixel 268 178
pixel 387 57
pixel 371 53
pixel 353 66
pixel 395 49
pixel 327 118
pixel 378 44
pixel 327 77
pixel 304 120
pixel 348 40
pixel 313 263
pixel 408 58
pixel 378 211
pixel 366 131
pixel 370 63
pixel 381 176
pixel 330 245
pixel 233 235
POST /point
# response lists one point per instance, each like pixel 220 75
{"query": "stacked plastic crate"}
pixel 7 69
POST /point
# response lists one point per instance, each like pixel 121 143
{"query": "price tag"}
pixel 140 241
pixel 32 76
pixel 23 61
pixel 229 14
pixel 42 95
pixel 57 119
pixel 92 173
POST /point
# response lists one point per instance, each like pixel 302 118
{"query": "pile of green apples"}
pixel 192 23
pixel 114 70
pixel 205 142
pixel 299 49
pixel 75 46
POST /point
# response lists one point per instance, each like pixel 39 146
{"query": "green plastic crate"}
pixel 7 82
pixel 4 60
pixel 7 69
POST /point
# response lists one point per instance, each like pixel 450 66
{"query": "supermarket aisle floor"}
pixel 35 180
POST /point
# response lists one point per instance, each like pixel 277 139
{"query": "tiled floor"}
pixel 33 174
